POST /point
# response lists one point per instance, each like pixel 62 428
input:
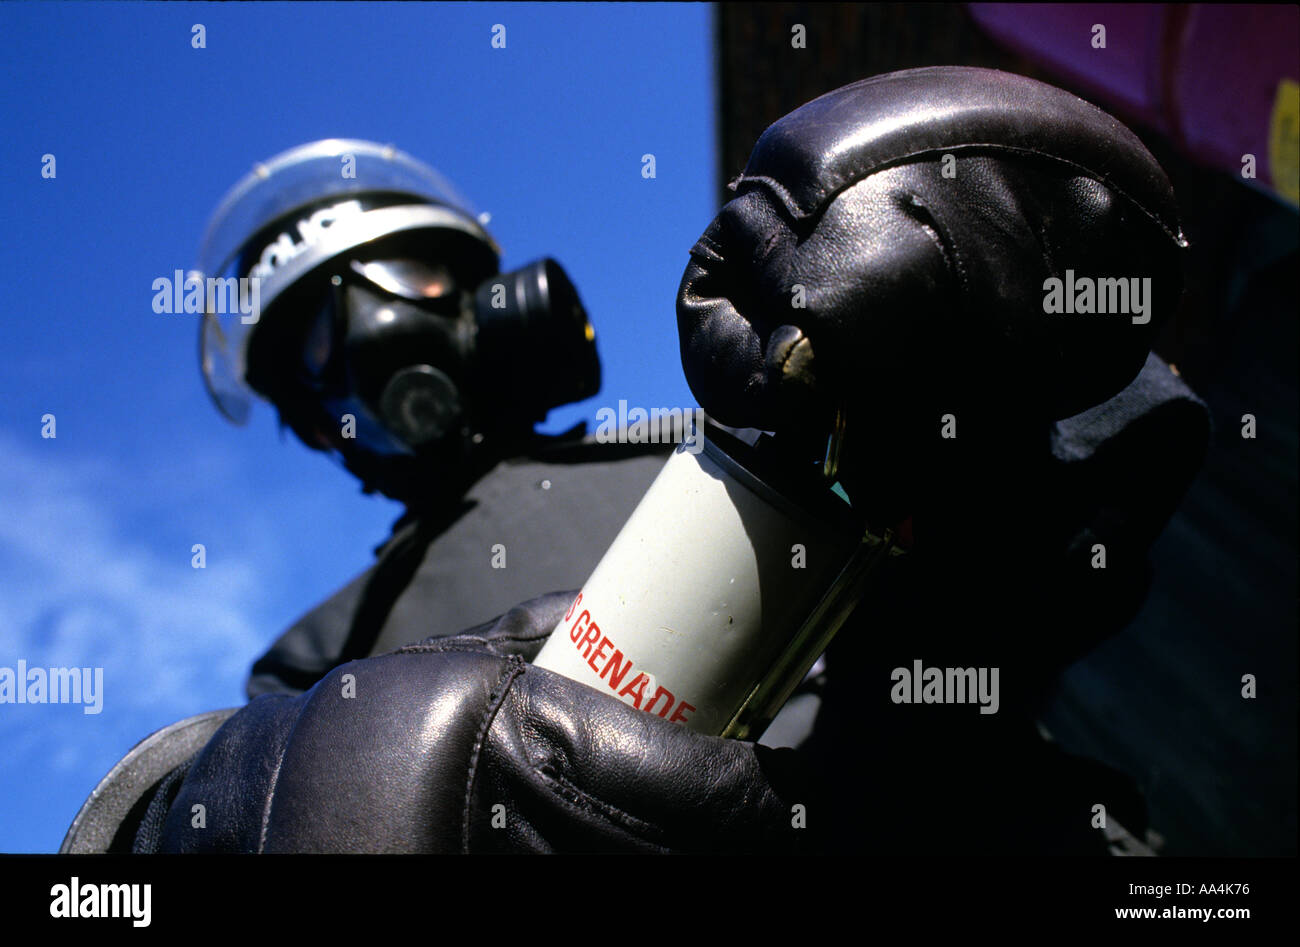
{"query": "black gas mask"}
pixel 403 360
pixel 386 332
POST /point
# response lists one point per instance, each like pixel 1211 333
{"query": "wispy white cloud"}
pixel 84 588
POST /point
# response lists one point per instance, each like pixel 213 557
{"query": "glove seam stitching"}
pixel 275 780
pixel 514 667
pixel 705 242
pixel 464 643
pixel 916 209
pixel 845 181
pixel 593 805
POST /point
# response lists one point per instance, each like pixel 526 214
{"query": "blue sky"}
pixel 148 133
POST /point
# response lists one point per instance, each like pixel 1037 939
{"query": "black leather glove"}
pixel 886 253
pixel 458 745
pixel 887 250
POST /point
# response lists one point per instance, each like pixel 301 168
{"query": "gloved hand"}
pixel 920 293
pixel 457 745
pixel 887 250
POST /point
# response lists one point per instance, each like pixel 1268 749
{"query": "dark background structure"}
pixel 1162 700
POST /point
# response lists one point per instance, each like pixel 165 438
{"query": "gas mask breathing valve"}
pixel 420 405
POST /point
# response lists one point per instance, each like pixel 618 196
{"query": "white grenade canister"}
pixel 704 598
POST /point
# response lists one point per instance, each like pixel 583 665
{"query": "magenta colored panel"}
pixel 1204 74
pixel 1230 62
pixel 1124 77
